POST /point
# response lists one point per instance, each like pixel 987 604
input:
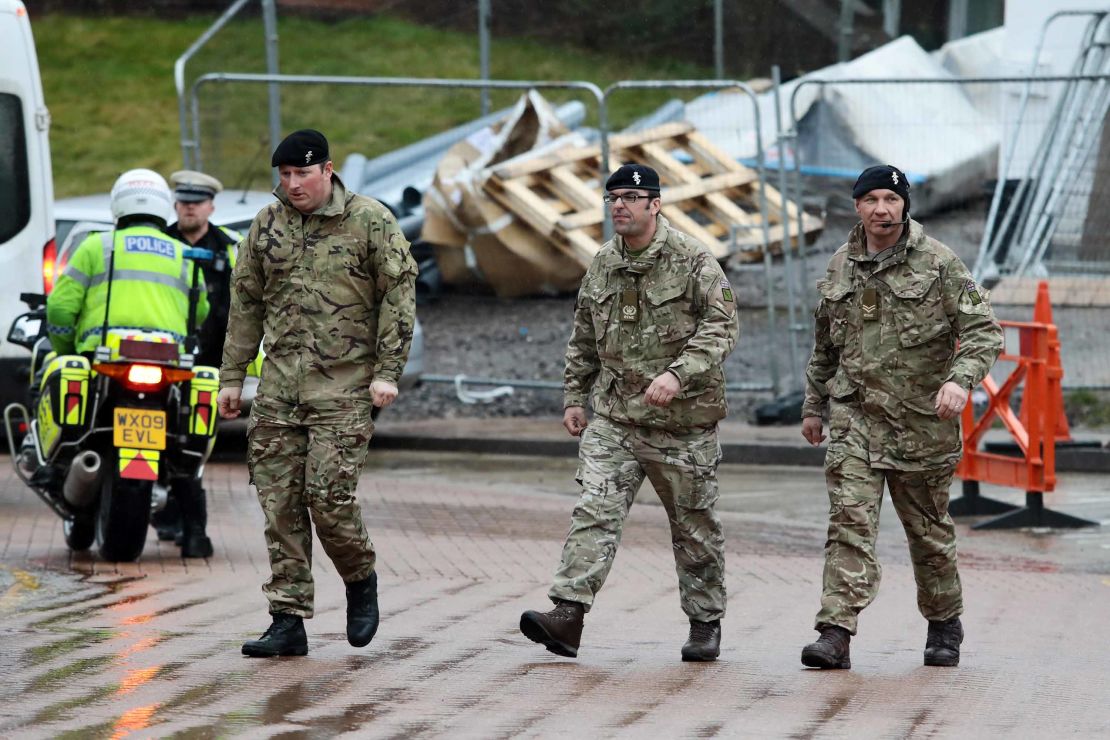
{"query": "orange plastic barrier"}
pixel 1034 431
pixel 1042 314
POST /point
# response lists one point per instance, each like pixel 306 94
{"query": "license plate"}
pixel 144 429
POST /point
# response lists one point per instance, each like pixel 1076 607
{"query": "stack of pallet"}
pixel 705 194
pixel 518 206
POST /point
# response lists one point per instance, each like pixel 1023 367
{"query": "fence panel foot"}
pixel 972 504
pixel 1035 515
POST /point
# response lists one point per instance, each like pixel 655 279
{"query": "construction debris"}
pixel 532 217
pixel 478 242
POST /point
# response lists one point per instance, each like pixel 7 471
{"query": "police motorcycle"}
pixel 110 436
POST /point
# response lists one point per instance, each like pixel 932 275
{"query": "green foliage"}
pixel 1086 408
pixel 109 87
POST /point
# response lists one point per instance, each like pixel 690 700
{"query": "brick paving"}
pixel 151 649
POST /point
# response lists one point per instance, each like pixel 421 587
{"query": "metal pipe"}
pixel 803 248
pixel 247 78
pixel 787 259
pixel 390 164
pixel 798 202
pixel 719 38
pixel 179 77
pixel 844 38
pixel 957 19
pixel 269 22
pixel 892 17
pixel 483 50
pixel 79 489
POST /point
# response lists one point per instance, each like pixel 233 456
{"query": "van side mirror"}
pixel 26 329
pixel 33 300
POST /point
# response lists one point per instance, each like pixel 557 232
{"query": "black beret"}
pixel 883 177
pixel 301 148
pixel 637 176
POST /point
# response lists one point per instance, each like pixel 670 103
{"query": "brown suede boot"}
pixel 830 650
pixel 942 646
pixel 559 630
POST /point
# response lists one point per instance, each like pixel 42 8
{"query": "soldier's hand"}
pixel 951 399
pixel 574 420
pixel 663 389
pixel 812 430
pixel 227 402
pixel 383 392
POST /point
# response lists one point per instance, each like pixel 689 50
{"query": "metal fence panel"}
pixel 1050 203
pixel 766 352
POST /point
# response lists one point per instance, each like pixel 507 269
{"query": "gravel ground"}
pixel 486 337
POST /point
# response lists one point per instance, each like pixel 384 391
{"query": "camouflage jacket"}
pixel 679 314
pixel 334 294
pixel 888 361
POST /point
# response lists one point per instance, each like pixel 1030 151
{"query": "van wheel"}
pixel 79 533
pixel 123 518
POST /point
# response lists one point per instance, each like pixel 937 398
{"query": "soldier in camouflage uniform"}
pixel 654 321
pixel 326 276
pixel 894 304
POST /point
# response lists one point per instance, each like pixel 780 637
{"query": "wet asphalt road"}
pixel 151 649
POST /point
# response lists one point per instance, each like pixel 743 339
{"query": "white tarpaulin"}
pixel 933 132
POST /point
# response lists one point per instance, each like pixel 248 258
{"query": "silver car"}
pixel 76 218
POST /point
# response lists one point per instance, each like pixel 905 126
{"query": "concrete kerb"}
pixel 452 438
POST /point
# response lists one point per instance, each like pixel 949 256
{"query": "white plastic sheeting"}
pixel 934 132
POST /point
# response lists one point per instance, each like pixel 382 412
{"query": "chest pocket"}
pixel 838 297
pixel 599 300
pixel 918 310
pixel 673 317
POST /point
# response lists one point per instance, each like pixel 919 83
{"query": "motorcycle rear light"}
pixel 49 266
pixel 138 377
pixel 144 375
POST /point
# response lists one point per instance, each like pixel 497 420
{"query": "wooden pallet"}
pixel 705 193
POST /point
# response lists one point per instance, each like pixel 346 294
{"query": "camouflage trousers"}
pixel 305 461
pixel 614 460
pixel 852 571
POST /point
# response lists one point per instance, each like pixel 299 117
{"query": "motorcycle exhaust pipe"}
pixel 79 489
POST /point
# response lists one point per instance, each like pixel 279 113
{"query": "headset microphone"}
pixel 888 224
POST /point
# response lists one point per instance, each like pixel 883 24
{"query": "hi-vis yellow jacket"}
pixel 150 289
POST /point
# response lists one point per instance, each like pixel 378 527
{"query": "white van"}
pixel 27 248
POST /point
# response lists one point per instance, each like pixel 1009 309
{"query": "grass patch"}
pixel 1089 409
pixel 109 86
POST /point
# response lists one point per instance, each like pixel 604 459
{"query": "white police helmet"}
pixel 142 192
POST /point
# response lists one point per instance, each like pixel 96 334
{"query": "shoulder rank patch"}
pixel 726 290
pixel 973 293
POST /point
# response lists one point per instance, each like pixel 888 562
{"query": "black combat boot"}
pixel 193 518
pixel 830 650
pixel 704 643
pixel 559 630
pixel 284 637
pixel 942 646
pixel 362 610
pixel 167 521
pixel 196 545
